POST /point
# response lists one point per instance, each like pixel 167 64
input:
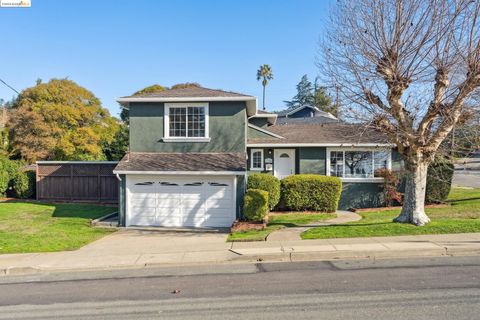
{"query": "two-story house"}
pixel 191 151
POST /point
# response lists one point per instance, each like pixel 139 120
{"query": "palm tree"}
pixel 265 74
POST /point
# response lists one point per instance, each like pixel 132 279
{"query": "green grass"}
pixel 38 227
pixel 462 215
pixel 277 222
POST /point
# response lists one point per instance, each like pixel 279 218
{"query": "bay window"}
pixel 357 164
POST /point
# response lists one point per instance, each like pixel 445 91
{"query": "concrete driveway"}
pixel 129 247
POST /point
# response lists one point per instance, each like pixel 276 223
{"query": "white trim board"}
pixel 251 102
pixel 252 151
pixel 192 173
pixel 265 131
pixel 166 122
pixel 76 162
pixel 273 145
pixel 184 99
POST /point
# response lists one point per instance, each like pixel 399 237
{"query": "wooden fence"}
pixel 77 181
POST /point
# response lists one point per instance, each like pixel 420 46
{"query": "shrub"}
pixel 8 170
pixel 304 192
pixel 391 182
pixel 268 183
pixel 255 205
pixel 439 181
pixel 24 184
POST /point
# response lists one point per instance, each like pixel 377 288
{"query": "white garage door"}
pixel 172 201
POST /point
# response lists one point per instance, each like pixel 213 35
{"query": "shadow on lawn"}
pixel 71 210
pixel 463 199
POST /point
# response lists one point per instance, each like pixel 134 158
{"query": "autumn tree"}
pixel 408 68
pixel 60 120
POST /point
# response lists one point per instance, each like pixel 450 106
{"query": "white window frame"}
pixel 166 122
pixel 252 151
pixel 372 179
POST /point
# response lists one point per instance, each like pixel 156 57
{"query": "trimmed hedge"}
pixel 255 205
pixel 8 170
pixel 303 192
pixel 439 181
pixel 268 183
pixel 24 184
pixel 14 180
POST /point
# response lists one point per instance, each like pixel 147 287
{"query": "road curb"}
pixel 291 256
pixel 339 255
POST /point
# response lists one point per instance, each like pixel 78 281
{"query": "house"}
pixel 191 150
pixel 305 114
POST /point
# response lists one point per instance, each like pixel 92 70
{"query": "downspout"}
pixel 118 177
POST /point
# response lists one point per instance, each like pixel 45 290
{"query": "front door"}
pixel 284 162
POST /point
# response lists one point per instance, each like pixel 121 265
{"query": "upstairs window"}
pixel 357 164
pixel 186 121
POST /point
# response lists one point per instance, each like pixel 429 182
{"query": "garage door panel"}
pixel 162 196
pixel 193 221
pixel 212 213
pixel 142 220
pixel 181 201
pixel 143 202
pixel 165 212
pixel 216 222
pixel 168 221
pixel 219 203
pixel 169 203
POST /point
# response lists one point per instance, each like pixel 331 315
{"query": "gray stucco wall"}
pixel 227 122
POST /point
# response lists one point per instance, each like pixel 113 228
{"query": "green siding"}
pixel 360 195
pixel 259 122
pixel 122 201
pixel 241 186
pixel 227 121
pixel 354 194
pixel 254 133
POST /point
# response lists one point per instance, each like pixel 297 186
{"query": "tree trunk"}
pixel 413 209
pixel 263 98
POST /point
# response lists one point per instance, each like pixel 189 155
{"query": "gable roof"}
pixel 328 134
pixel 318 112
pixel 192 91
pixel 192 94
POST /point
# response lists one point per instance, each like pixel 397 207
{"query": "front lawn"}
pixel 463 215
pixel 279 221
pixel 38 227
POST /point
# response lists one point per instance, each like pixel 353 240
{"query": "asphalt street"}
pixel 422 288
pixel 467 179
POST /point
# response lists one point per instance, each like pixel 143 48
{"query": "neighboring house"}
pixel 191 151
pixel 305 114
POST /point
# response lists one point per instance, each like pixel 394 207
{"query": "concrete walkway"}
pixel 292 234
pixel 143 249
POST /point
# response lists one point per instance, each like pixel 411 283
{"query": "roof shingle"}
pixel 189 161
pixel 336 133
pixel 189 92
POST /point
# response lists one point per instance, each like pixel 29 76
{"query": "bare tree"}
pixel 408 68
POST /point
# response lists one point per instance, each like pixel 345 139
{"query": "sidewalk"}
pixel 128 249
